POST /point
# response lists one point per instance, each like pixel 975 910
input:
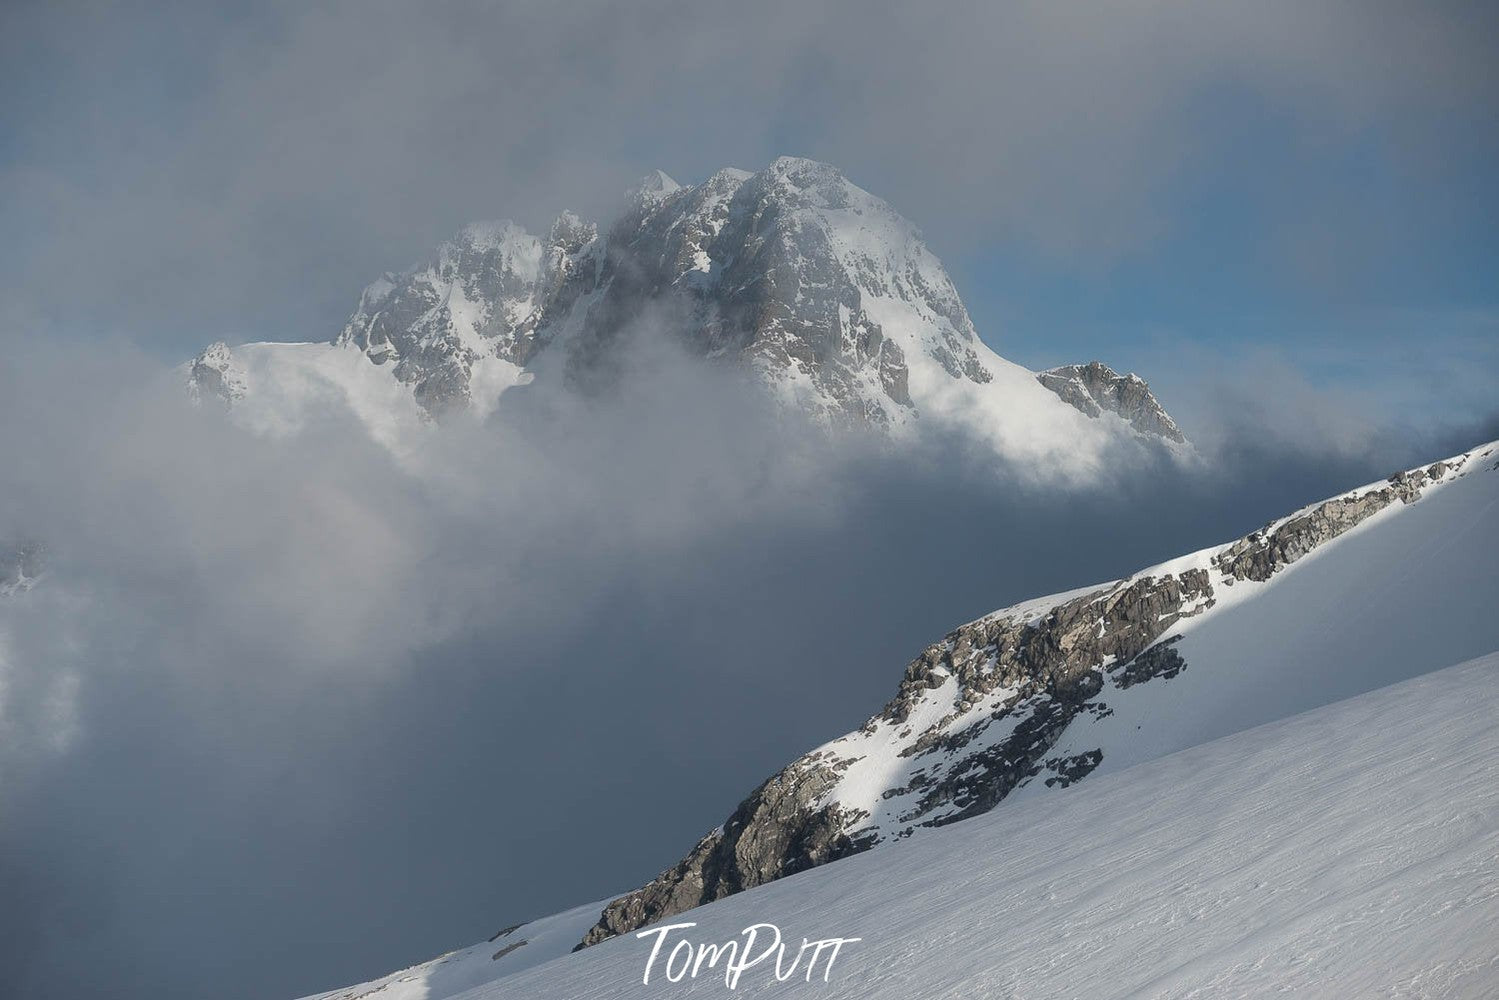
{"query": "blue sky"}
pixel 1196 193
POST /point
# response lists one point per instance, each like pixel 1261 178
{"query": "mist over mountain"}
pixel 306 652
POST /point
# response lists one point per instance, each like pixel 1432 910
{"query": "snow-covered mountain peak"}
pixel 811 183
pixel 654 187
pixel 215 375
pixel 1095 388
pixel 817 289
pixel 822 289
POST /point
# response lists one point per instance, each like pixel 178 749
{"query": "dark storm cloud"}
pixel 283 714
pixel 185 173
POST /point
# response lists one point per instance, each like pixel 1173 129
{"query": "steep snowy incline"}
pixel 1352 851
pixel 1358 591
pixel 511 950
pixel 813 288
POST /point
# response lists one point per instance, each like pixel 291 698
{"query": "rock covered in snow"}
pixel 1095 388
pixel 214 375
pixel 491 292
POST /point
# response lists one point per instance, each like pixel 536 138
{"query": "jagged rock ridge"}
pixel 981 713
pixel 1095 388
pixel 495 291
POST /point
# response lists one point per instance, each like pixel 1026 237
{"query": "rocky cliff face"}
pixel 494 291
pixel 780 271
pixel 820 290
pixel 1095 389
pixel 213 375
pixel 981 713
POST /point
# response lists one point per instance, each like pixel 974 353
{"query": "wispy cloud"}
pixel 288 697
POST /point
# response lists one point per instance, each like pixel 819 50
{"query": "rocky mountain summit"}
pixel 213 375
pixel 1038 695
pixel 819 290
pixel 1095 388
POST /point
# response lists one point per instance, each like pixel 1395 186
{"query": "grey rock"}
pixel 774 832
pixel 1095 388
pixel 743 274
pixel 1258 555
pixel 1159 660
pixel 213 376
pixel 1068 770
pixel 494 290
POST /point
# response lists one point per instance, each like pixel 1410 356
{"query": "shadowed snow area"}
pixel 1349 851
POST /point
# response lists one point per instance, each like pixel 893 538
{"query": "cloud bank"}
pixel 235 173
pixel 285 713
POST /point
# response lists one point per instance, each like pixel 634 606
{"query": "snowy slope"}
pixel 511 950
pixel 1352 851
pixel 1358 591
pixel 812 287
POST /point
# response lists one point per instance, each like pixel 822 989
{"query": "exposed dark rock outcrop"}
pixel 1261 553
pixel 777 831
pixel 1159 660
pixel 1072 769
pixel 1095 388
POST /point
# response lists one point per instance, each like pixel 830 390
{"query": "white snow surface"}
pixel 509 952
pixel 1352 851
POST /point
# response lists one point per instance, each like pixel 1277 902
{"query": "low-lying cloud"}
pixel 285 713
